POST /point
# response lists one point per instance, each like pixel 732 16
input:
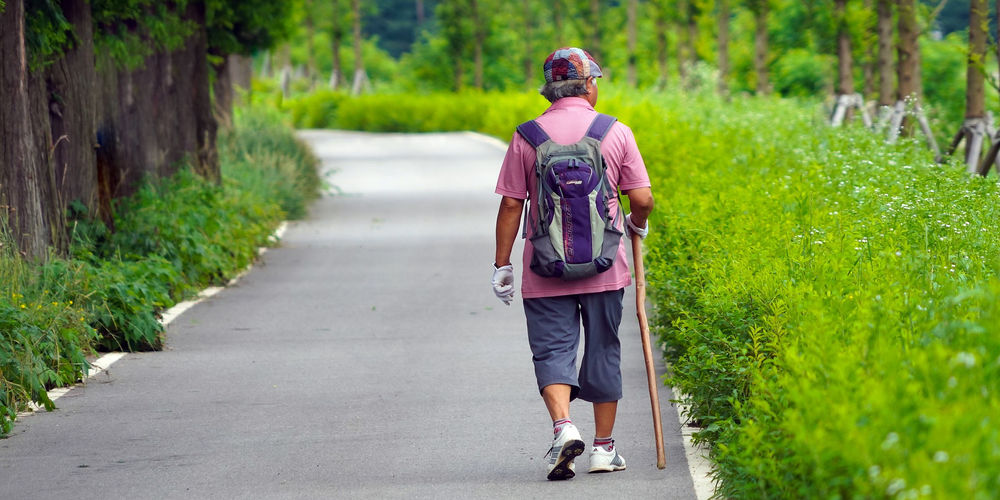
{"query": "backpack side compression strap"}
pixel 532 133
pixel 601 126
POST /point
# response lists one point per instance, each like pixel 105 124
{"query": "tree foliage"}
pixel 244 27
pixel 132 30
pixel 47 33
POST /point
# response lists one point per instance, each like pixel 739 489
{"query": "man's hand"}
pixel 503 283
pixel 632 228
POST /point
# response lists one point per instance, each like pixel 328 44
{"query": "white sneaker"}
pixel 602 460
pixel 567 446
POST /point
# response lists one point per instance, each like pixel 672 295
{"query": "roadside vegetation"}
pixel 827 302
pixel 172 238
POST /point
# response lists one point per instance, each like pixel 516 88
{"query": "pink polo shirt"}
pixel 566 122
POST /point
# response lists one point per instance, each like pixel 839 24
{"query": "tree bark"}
pixel 359 66
pixel 310 43
pixel 683 6
pixel 557 20
pixel 72 113
pixel 692 33
pixel 907 69
pixel 760 47
pixel 223 91
pixel 241 71
pixel 845 66
pixel 527 62
pixel 975 90
pixel 633 7
pixel 196 50
pixel 24 168
pixel 595 31
pixel 337 79
pixel 723 47
pixel 886 78
pixel 480 33
pixel 661 44
pixel 868 67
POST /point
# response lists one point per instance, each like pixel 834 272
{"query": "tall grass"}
pixel 172 238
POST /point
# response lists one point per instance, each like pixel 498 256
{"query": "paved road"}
pixel 364 358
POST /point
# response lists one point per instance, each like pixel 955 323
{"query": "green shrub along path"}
pixel 171 239
pixel 829 303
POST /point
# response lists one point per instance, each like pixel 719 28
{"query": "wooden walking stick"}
pixel 640 311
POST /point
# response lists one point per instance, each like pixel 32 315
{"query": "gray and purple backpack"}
pixel 573 235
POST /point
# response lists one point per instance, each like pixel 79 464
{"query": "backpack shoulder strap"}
pixel 601 126
pixel 532 133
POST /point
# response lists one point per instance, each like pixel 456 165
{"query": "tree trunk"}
pixel 24 172
pixel 595 31
pixel 886 78
pixel 480 33
pixel 73 114
pixel 336 39
pixel 196 50
pixel 241 71
pixel 692 33
pixel 633 7
pixel 310 43
pixel 760 47
pixel 845 66
pixel 558 21
pixel 53 206
pixel 975 91
pixel 661 44
pixel 359 67
pixel 529 19
pixel 223 91
pixel 868 67
pixel 265 65
pixel 723 48
pixel 420 13
pixel 683 6
pixel 909 85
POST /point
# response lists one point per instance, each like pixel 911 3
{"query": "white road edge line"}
pixel 104 362
pixel 699 466
pixel 488 139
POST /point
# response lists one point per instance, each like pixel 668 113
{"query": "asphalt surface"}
pixel 366 357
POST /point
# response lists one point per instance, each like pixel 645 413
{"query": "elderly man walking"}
pixel 571 163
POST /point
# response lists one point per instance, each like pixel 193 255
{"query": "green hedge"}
pixel 829 304
pixel 174 237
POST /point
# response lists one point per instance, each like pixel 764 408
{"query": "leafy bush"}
pixel 172 238
pixel 828 302
pixel 802 73
pixel 825 300
pixel 489 112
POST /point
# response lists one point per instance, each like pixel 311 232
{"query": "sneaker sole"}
pixel 569 451
pixel 609 468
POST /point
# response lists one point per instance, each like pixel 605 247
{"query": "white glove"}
pixel 632 228
pixel 503 282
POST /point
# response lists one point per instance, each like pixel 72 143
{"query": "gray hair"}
pixel 563 88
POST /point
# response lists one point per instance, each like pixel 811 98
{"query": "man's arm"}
pixel 508 222
pixel 640 200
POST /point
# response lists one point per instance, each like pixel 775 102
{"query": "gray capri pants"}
pixel 554 336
